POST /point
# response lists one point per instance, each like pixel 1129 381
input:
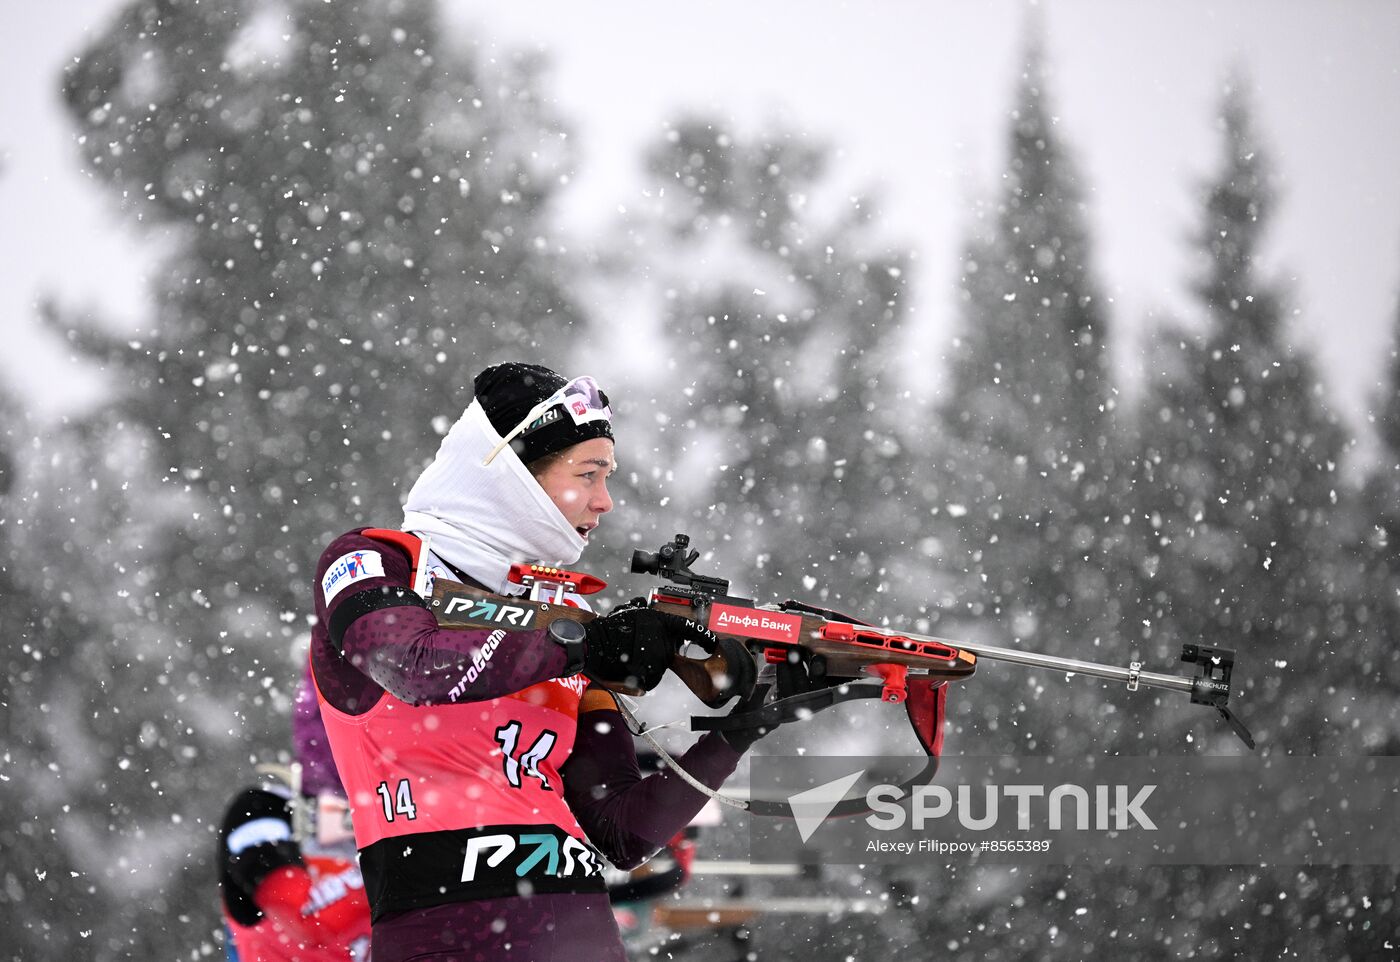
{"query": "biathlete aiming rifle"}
pixel 814 657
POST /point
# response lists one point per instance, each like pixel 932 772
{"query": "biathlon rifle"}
pixel 812 657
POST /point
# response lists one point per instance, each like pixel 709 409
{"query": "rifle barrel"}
pixel 1034 659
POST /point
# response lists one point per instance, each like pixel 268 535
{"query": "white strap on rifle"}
pixel 420 573
pixel 637 728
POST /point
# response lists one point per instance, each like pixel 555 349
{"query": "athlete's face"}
pixel 577 483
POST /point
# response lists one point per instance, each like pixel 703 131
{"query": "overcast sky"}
pixel 915 94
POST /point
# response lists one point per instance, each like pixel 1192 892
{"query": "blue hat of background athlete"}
pixel 509 392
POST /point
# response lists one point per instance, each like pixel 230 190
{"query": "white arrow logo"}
pixel 810 808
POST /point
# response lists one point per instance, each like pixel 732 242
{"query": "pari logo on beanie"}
pixel 508 393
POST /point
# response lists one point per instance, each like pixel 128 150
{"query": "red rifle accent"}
pixel 896 679
pixel 580 583
pixel 857 635
pixel 659 596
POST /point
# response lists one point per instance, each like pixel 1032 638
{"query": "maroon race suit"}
pixel 483 786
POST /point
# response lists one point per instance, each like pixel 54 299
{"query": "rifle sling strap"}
pixel 358 605
pixel 793 708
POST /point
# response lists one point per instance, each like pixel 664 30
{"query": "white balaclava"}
pixel 485 518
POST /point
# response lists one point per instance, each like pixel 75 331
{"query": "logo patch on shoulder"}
pixel 350 568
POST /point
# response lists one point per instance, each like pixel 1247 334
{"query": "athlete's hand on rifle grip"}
pixel 742 739
pixel 634 645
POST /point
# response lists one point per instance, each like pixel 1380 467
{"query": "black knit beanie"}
pixel 508 391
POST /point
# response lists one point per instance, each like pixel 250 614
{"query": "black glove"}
pixel 742 739
pixel 634 645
